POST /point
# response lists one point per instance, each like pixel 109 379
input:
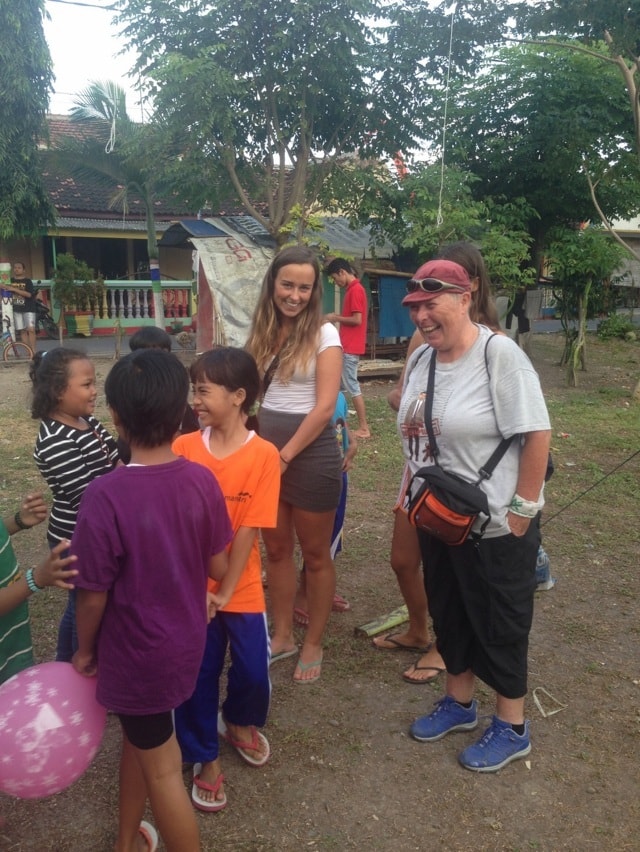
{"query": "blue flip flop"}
pixel 304 667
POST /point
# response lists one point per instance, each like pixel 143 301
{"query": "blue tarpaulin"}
pixel 394 319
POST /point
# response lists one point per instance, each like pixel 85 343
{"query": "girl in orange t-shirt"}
pixel 226 385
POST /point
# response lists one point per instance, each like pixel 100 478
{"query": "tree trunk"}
pixel 578 345
pixel 154 265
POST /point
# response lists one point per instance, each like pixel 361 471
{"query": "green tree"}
pixel 112 150
pixel 269 99
pixel 590 23
pixel 25 86
pixel 528 124
pixel 411 211
pixel 580 261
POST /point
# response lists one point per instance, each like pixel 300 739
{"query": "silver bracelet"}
pixel 525 508
pixel 33 586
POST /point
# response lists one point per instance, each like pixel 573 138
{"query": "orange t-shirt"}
pixel 250 482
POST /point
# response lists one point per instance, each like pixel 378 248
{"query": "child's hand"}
pixel 85 664
pixel 33 510
pixel 212 607
pixel 347 461
pixel 219 601
pixel 54 570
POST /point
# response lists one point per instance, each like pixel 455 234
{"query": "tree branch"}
pixel 603 218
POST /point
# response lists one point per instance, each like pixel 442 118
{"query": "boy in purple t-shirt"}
pixel 147 537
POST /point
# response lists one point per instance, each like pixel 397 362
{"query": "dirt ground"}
pixel 344 772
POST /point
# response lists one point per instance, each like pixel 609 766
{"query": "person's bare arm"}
pixel 32 511
pixel 354 319
pixel 55 570
pixel 393 398
pixel 90 608
pixel 219 565
pixel 328 372
pixel 533 466
pixel 238 558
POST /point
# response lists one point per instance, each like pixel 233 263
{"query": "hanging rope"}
pixel 439 219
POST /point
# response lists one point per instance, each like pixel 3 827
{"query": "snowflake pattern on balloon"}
pixel 50 729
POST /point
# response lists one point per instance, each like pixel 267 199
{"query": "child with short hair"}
pixel 226 384
pixel 147 538
pixel 72 449
pixel 152 337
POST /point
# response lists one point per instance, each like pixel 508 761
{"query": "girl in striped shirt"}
pixel 72 449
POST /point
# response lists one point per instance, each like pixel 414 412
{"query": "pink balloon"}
pixel 50 729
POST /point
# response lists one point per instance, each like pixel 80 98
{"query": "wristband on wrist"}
pixel 20 523
pixel 33 586
pixel 524 508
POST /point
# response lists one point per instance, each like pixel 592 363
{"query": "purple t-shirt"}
pixel 146 535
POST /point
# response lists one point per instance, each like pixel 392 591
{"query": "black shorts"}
pixel 481 601
pixel 146 732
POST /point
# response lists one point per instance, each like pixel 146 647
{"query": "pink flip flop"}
pixel 300 617
pixel 150 835
pixel 340 604
pixel 199 784
pixel 240 746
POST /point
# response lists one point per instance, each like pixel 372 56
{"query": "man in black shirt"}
pixel 24 305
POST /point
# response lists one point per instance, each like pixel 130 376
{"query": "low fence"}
pixel 129 304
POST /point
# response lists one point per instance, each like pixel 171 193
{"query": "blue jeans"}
pixel 67 631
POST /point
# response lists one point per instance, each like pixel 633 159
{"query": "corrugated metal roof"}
pixel 357 243
pixel 179 232
pixel 65 223
pixel 336 233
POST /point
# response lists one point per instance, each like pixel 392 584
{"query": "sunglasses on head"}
pixel 429 285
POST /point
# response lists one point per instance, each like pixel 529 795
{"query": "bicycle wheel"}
pixel 15 350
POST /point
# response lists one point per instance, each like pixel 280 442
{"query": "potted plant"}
pixel 78 292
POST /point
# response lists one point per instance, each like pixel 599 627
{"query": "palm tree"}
pixel 115 152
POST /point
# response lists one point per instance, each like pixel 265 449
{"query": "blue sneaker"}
pixel 448 716
pixel 498 746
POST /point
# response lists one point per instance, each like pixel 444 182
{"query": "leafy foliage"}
pixel 616 326
pixel 268 100
pixel 114 151
pixel 25 85
pixel 75 286
pixel 586 22
pixel 532 120
pixel 580 261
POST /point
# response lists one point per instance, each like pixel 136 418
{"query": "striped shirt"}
pixel 15 636
pixel 69 459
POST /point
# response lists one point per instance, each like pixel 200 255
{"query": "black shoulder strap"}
pixel 487 469
pixel 415 363
pixel 270 373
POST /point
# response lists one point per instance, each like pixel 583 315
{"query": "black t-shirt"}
pixel 21 304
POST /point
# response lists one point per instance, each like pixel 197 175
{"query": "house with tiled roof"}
pixel 193 258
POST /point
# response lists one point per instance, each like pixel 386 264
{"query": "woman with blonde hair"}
pixel 300 360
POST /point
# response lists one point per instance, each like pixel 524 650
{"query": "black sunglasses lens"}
pixel 427 285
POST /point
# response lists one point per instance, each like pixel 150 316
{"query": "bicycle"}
pixel 13 350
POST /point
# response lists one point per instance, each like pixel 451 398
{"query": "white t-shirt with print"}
pixel 473 410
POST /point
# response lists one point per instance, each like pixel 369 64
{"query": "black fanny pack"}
pixel 443 504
